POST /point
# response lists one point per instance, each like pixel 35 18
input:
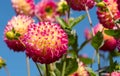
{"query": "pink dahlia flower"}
pixel 81 71
pixel 24 6
pixel 104 15
pixel 45 42
pixel 46 10
pixel 110 42
pixel 20 24
pixel 79 5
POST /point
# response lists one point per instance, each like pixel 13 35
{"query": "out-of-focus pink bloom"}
pixel 45 42
pixel 113 74
pixel 46 10
pixel 24 6
pixel 104 15
pixel 87 34
pixel 81 71
pixel 110 42
pixel 79 5
pixel 20 24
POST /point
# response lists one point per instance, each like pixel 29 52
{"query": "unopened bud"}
pixel 10 35
pixel 100 4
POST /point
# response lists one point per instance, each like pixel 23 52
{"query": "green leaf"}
pixel 83 44
pixel 91 72
pixel 70 68
pixel 57 72
pixel 114 33
pixel 17 34
pixel 86 60
pixel 62 22
pixel 115 53
pixel 77 20
pixel 97 40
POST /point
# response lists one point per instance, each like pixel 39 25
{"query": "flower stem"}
pixel 38 68
pixel 98 58
pixel 7 71
pixel 28 65
pixel 90 21
pixel 47 69
pixel 111 62
pixel 64 66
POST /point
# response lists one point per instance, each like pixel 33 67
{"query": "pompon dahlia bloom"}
pixel 110 42
pixel 81 71
pixel 104 15
pixel 46 10
pixel 24 6
pixel 79 5
pixel 20 24
pixel 45 42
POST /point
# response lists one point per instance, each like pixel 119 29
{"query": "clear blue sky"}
pixel 16 61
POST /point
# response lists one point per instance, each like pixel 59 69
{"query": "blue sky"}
pixel 16 61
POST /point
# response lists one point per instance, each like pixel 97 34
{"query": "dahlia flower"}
pixel 19 24
pixel 24 6
pixel 46 10
pixel 81 71
pixel 79 5
pixel 110 42
pixel 45 42
pixel 104 13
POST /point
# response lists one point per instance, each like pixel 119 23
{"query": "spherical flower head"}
pixel 46 10
pixel 110 42
pixel 81 71
pixel 17 25
pixel 24 6
pixel 104 15
pixel 45 42
pixel 79 5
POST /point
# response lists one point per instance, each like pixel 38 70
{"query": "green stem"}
pixel 28 65
pixel 98 58
pixel 38 69
pixel 7 71
pixel 63 69
pixel 111 62
pixel 47 69
pixel 90 21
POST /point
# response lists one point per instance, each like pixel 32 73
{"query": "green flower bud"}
pixel 2 63
pixel 10 35
pixel 100 4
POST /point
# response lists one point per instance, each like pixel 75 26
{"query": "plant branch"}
pixel 38 69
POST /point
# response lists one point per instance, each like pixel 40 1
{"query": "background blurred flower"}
pixel 16 26
pixel 24 6
pixel 79 5
pixel 104 15
pixel 81 71
pixel 110 42
pixel 46 10
pixel 45 42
